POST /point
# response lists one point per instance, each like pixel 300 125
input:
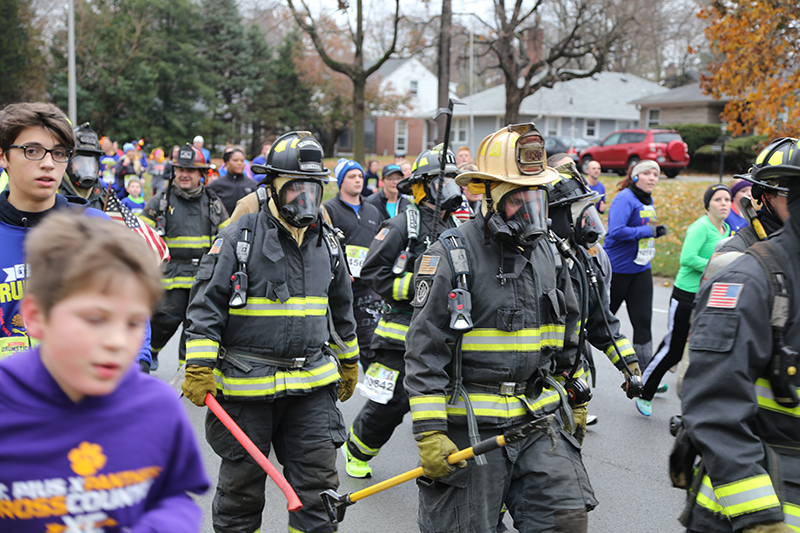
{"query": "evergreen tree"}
pixel 20 60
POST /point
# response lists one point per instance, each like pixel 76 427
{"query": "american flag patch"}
pixel 724 295
pixel 216 247
pixel 428 265
pixel 382 234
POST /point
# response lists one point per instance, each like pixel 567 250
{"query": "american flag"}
pixel 724 295
pixel 122 214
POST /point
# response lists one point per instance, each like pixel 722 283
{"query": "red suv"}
pixel 624 148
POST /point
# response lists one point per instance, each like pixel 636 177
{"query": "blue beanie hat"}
pixel 343 166
pixel 128 146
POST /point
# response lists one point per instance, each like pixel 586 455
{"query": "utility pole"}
pixel 72 99
pixel 443 68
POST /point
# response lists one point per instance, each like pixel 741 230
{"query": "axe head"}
pixel 335 504
pixel 177 380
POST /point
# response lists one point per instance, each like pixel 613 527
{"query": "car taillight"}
pixel 652 147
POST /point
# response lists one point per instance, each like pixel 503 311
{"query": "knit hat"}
pixel 128 146
pixel 738 186
pixel 343 166
pixel 646 164
pixel 711 191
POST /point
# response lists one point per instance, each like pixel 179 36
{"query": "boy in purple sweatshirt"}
pixel 81 448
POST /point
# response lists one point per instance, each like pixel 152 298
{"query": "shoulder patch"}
pixel 725 295
pixel 216 246
pixel 382 234
pixel 428 265
pixel 421 292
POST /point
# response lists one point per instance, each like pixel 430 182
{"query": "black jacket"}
pixel 379 200
pixel 231 187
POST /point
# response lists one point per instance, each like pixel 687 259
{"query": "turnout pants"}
pixel 168 316
pixel 545 490
pixel 306 432
pixel 375 423
pixel 670 351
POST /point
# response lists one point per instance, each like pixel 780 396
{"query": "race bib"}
pixel 379 383
pixel 355 258
pixel 647 251
pixel 11 345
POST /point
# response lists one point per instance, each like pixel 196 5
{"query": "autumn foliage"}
pixel 756 46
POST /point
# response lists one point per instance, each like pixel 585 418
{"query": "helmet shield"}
pixel 83 170
pixel 588 226
pixel 299 201
pixel 525 212
pixel 446 193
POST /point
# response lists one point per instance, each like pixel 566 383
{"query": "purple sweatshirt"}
pixel 121 462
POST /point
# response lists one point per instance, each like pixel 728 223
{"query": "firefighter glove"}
pixel 199 380
pixel 771 527
pixel 634 368
pixel 349 374
pixel 434 447
pixel 579 413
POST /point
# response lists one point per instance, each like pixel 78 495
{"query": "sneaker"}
pixel 154 364
pixel 591 420
pixel 644 406
pixel 353 466
pixel 662 388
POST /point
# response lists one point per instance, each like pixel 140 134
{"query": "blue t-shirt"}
pixel 391 208
pixel 735 222
pixel 601 189
pixel 356 207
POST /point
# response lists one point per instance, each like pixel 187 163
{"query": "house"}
pixel 404 130
pixel 590 108
pixel 682 105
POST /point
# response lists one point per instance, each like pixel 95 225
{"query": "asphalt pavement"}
pixel 625 455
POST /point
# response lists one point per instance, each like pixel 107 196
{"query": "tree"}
pixel 353 69
pixel 575 45
pixel 756 46
pixel 21 62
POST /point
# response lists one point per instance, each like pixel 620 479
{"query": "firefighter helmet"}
pixel 84 166
pixel 779 160
pixel 190 157
pixel 296 153
pixel 427 165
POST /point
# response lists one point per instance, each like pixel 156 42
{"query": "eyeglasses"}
pixel 37 153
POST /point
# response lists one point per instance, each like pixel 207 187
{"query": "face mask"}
pixel 83 171
pixel 525 213
pixel 588 226
pixel 299 201
pixel 445 193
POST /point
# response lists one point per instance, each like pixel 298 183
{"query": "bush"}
pixel 696 135
pixel 739 154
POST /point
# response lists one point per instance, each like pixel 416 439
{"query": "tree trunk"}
pixel 359 88
pixel 443 70
pixel 513 101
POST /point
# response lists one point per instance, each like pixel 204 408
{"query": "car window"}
pixel 612 139
pixel 666 137
pixel 632 137
pixel 580 144
pixel 549 144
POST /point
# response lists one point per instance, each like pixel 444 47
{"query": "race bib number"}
pixel 647 251
pixel 379 383
pixel 11 345
pixel 355 259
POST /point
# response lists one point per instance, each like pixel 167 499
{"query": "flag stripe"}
pixel 116 211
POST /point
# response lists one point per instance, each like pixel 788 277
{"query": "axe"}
pixel 336 504
pixel 244 440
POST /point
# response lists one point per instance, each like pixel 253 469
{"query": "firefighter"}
pixel 388 270
pixel 187 215
pixel 575 220
pixel 83 170
pixel 740 390
pixel 271 292
pixel 498 356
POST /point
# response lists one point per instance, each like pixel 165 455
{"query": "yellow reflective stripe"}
pixel 747 496
pixel 282 380
pixel 201 349
pixel 501 406
pixel 427 408
pixel 295 306
pixel 766 400
pixel 291 530
pixel 791 515
pixel 580 373
pixel 195 241
pixel 149 221
pixel 178 282
pixel 349 350
pixel 223 224
pixel 524 340
pixel 625 349
pixel 391 330
pixel 706 497
pixel 363 448
pixel 402 286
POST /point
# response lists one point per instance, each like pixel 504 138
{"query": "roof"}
pixel 390 65
pixel 606 95
pixel 685 94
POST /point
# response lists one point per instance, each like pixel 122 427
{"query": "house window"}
pixel 400 136
pixel 553 125
pixel 414 88
pixel 460 131
pixel 653 117
pixel 591 127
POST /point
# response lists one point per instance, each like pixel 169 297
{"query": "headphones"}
pixel 635 178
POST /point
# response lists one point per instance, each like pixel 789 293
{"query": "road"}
pixel 625 454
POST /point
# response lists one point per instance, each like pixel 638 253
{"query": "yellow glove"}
pixel 579 413
pixel 199 380
pixel 634 368
pixel 434 447
pixel 349 374
pixel 770 527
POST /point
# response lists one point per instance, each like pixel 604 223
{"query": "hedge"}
pixel 696 135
